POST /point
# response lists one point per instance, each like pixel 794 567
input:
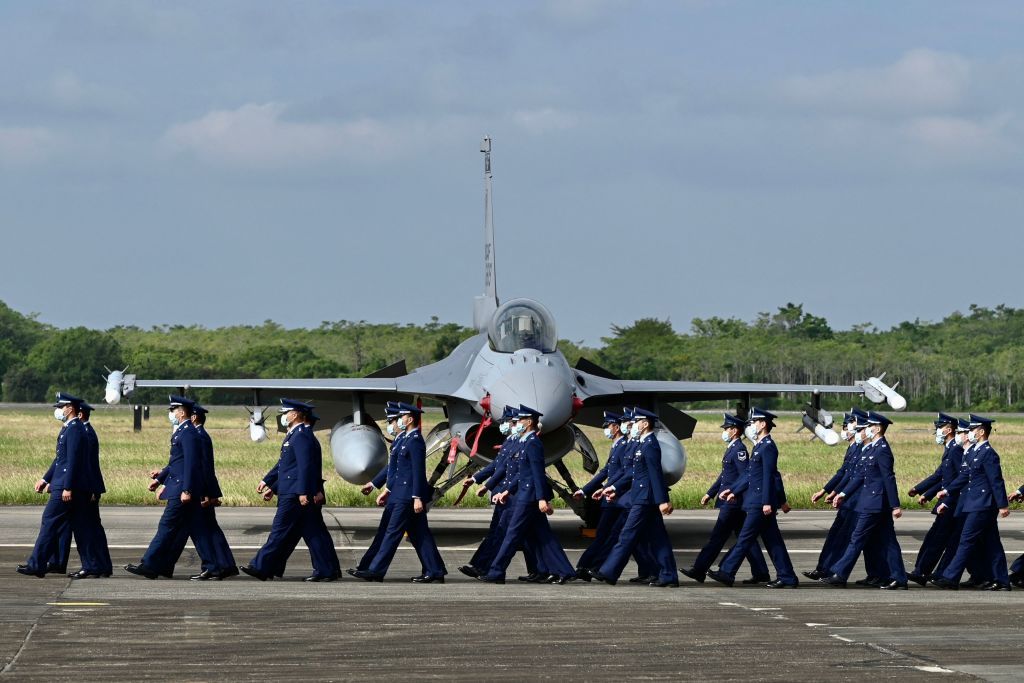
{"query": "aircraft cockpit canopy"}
pixel 522 324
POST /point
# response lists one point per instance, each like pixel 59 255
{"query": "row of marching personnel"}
pixel 634 498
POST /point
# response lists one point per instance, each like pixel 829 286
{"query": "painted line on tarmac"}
pixel 79 604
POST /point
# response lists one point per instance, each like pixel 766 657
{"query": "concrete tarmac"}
pixel 127 627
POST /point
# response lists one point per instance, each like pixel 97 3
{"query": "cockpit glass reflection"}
pixel 523 324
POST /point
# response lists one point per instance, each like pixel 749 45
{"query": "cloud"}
pixel 544 120
pixel 26 145
pixel 961 136
pixel 921 81
pixel 259 135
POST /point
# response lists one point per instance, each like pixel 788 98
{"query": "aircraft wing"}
pixel 601 390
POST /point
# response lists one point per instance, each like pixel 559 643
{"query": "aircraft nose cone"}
pixel 537 385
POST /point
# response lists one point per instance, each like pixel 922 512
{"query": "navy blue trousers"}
pixel 1017 568
pixel 934 544
pixel 838 540
pixel 484 555
pixel 90 537
pixel 293 521
pixel 729 522
pixel 980 540
pixel 177 523
pixel 644 526
pixel 525 523
pixel 876 529
pixel 609 526
pixel 402 520
pixel 371 552
pixel 978 571
pixel 756 525
pixel 313 531
pixel 213 549
pixel 55 523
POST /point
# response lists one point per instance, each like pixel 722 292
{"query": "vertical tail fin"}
pixel 486 304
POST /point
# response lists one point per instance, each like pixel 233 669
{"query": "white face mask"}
pixel 844 435
pixel 858 437
pixel 626 430
pixel 869 433
pixel 284 421
pixel 940 438
pixel 504 427
pixel 519 428
pixel 750 432
pixel 959 438
pixel 391 428
pixel 634 431
pixel 972 437
pixel 58 414
pixel 173 418
pixel 725 436
pixel 607 432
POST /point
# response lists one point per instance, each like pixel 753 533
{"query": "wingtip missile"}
pixel 877 391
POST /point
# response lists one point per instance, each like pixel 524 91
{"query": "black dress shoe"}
pixel 561 580
pixel 583 574
pixel 638 579
pixel 985 586
pixel 756 579
pixel 779 583
pixel 251 571
pixel 894 586
pixel 55 569
pixel 721 577
pixel 317 578
pixel 488 579
pixel 692 573
pixel 598 576
pixel 24 569
pixel 469 570
pixel 141 570
pixel 206 575
pixel 973 583
pixel 352 571
pixel 999 587
pixel 82 574
pixel 1017 581
pixel 536 577
pixel 427 579
pixel 228 573
pixel 834 580
pixel 815 575
pixel 664 584
pixel 368 576
pixel 945 584
pixel 917 578
pixel 871 581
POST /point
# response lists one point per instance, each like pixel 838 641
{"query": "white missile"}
pixel 827 436
pixel 877 391
pixel 257 424
pixel 115 382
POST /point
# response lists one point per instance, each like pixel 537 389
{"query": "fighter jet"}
pixel 512 360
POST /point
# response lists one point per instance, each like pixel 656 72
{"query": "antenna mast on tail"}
pixel 485 305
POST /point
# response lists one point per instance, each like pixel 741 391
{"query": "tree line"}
pixel 972 360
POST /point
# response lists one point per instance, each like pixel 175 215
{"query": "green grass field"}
pixel 27 439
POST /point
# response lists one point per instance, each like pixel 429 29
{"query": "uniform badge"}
pixel 742 456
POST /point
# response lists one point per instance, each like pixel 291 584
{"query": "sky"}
pixel 232 162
